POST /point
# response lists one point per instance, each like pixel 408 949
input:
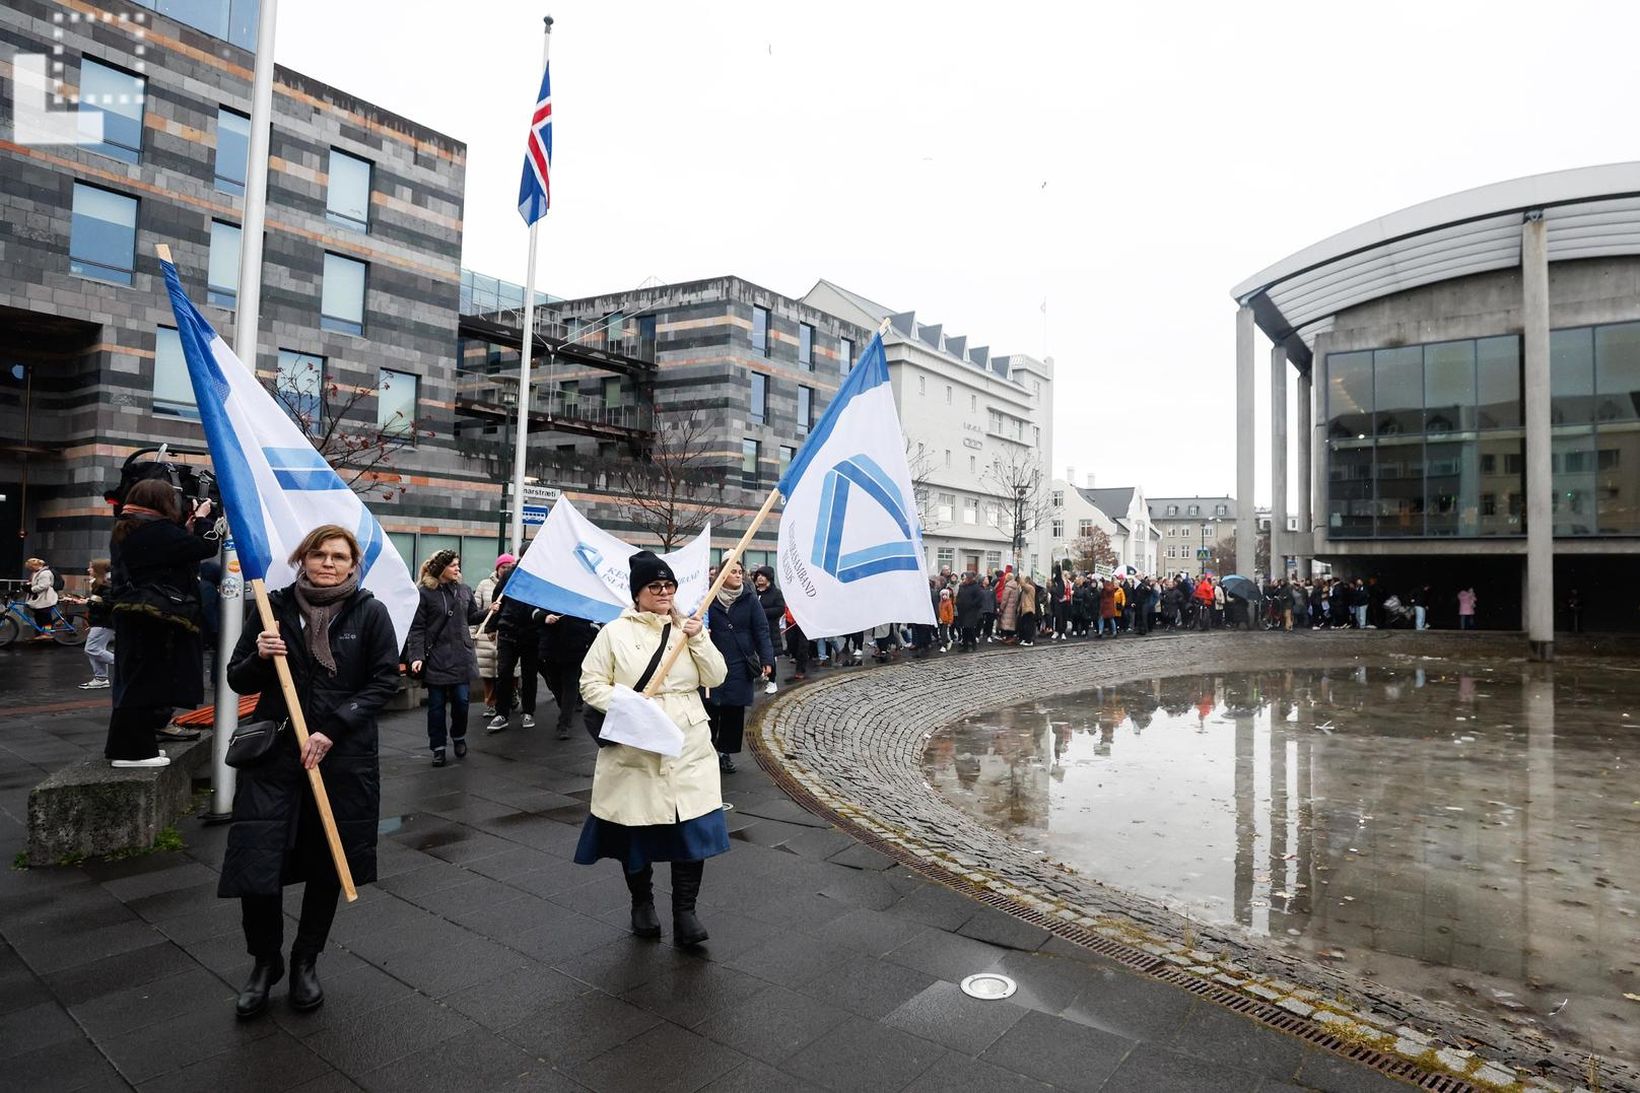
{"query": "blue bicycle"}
pixel 18 620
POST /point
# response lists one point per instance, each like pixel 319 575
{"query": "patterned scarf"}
pixel 319 607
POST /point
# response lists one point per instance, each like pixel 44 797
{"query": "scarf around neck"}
pixel 727 596
pixel 319 607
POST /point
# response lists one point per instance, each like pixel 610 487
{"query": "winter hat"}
pixel 505 559
pixel 646 567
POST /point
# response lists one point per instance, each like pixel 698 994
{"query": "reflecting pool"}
pixel 1467 833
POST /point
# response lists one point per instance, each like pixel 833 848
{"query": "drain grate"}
pixel 1135 959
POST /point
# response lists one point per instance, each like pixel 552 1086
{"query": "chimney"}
pixel 1070 475
pixel 1089 486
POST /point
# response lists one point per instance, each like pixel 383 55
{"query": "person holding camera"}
pixel 154 558
pixel 344 661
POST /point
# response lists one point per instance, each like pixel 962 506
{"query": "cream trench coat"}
pixel 640 788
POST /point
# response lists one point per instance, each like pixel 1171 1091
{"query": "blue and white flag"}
pixel 574 567
pixel 535 187
pixel 275 486
pixel 851 552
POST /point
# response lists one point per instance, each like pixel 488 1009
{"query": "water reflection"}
pixel 1456 833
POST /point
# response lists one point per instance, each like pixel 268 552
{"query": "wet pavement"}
pixel 1463 831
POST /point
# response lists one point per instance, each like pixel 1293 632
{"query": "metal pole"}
pixel 247 320
pixel 526 349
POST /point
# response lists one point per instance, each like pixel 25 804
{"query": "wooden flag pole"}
pixel 298 722
pixel 671 658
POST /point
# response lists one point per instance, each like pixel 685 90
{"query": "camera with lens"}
pixel 193 483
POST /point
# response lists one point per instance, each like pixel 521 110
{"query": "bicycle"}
pixel 64 629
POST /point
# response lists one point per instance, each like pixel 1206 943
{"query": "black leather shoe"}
pixel 253 997
pixel 645 923
pixel 438 757
pixel 461 747
pixel 686 928
pixel 305 992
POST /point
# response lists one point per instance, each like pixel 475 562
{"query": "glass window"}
pixel 845 355
pixel 1449 387
pixel 970 510
pixel 102 235
pixel 405 543
pixel 1057 529
pixel 805 345
pixel 173 390
pixel 396 402
pixel 1497 383
pixel 347 201
pixel 341 306
pixel 1084 528
pixel 750 455
pixel 429 545
pixel 116 99
pixel 805 410
pixel 945 557
pixel 1573 461
pixel 222 277
pixel 614 325
pixel 233 150
pixel 973 403
pixel 948 394
pixel 1400 473
pixel 787 454
pixel 1349 396
pixel 760 330
pixel 1349 492
pixel 1452 473
pixel 993 560
pixel 945 507
pixel 1398 383
pixel 1571 376
pixel 758 409
pixel 297 385
pixel 1617 372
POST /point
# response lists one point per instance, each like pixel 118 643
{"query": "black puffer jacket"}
pixel 263 847
pixel 970 604
pixel 564 642
pixel 439 636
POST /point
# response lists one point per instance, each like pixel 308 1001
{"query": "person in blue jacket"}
pixel 740 630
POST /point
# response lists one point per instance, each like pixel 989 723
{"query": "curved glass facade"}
pixel 1426 441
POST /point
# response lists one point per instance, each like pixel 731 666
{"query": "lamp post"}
pixel 1203 558
pixel 1019 526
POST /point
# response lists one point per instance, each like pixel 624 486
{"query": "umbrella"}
pixel 1240 587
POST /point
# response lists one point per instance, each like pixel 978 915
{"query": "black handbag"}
pixel 252 743
pixel 593 719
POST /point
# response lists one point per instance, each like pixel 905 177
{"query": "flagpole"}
pixel 526 350
pixel 727 564
pixel 247 320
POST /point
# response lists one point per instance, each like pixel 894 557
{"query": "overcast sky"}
pixel 1126 164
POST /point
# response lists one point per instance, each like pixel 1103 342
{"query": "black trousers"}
pixel 728 724
pixel 797 644
pixel 970 635
pixel 131 731
pixel 510 654
pixel 564 682
pixel 264 919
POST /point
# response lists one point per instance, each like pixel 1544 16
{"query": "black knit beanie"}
pixel 647 567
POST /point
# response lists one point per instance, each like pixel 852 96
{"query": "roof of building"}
pixel 1113 502
pixel 905 325
pixel 1592 212
pixel 1158 506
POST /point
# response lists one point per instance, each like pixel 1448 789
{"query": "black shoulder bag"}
pixel 594 719
pixel 252 743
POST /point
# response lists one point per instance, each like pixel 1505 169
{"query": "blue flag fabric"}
pixel 275 486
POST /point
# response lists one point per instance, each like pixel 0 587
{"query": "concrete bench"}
pixel 89 808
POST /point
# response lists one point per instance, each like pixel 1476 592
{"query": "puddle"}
pixel 1466 834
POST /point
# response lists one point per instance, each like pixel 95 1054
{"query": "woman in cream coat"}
pixel 647 807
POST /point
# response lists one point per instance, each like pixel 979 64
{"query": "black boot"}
pixel 642 886
pixel 686 928
pixel 305 991
pixel 253 998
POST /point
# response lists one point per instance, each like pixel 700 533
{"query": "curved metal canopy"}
pixel 1592 212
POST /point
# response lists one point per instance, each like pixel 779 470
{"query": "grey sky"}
pixel 1126 164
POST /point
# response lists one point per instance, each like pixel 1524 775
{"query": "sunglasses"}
pixel 658 587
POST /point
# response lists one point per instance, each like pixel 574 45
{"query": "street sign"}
pixel 534 515
pixel 536 495
pixel 1202 554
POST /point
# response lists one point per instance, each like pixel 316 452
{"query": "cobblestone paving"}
pixel 855 745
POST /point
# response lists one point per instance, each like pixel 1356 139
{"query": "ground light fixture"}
pixel 989 986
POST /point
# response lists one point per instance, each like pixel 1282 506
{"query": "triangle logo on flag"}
pixel 860 473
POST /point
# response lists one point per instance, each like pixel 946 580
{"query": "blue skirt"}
pixel 637 847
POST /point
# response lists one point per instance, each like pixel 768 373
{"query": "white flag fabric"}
pixel 574 567
pixel 639 722
pixel 851 552
pixel 275 486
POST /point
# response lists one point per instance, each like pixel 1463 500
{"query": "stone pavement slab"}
pixel 485 959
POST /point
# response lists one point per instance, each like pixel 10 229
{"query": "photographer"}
pixel 158 656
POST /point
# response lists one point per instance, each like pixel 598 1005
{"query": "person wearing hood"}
pixel 774 609
pixel 647 807
pixel 740 630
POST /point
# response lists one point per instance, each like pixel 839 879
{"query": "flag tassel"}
pixel 298 721
pixel 672 654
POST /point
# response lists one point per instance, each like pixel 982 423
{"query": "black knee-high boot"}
pixel 686 928
pixel 642 886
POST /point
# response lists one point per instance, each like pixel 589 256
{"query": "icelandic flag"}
pixel 851 552
pixel 535 188
pixel 574 567
pixel 275 486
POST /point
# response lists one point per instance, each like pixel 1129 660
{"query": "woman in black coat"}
pixel 440 649
pixel 740 630
pixel 344 660
pixel 561 647
pixel 773 601
pixel 158 651
pixel 970 608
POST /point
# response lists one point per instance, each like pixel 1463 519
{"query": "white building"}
pixel 963 411
pixel 1119 512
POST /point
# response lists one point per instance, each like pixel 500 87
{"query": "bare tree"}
pixel 1223 557
pixel 335 417
pixel 678 490
pixel 1093 549
pixel 1027 499
pixel 920 462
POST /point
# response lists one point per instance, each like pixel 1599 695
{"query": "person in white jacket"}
pixel 42 591
pixel 647 807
